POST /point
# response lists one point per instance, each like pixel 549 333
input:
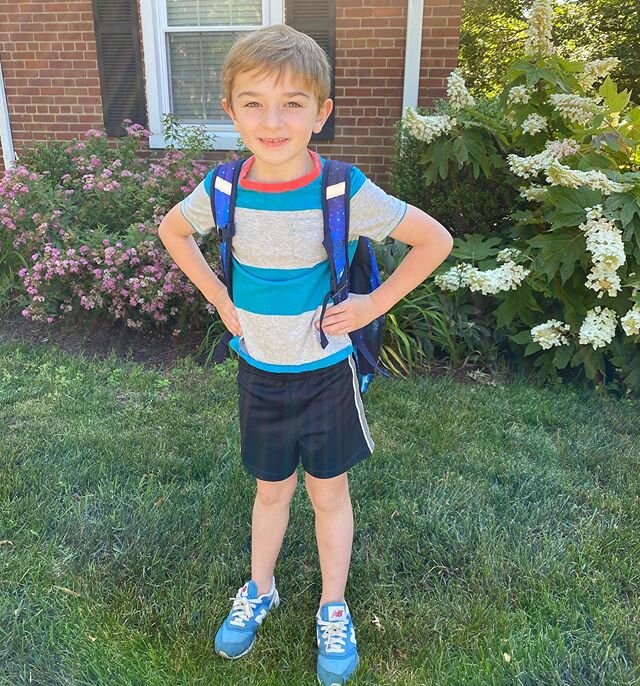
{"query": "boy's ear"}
pixel 226 106
pixel 323 114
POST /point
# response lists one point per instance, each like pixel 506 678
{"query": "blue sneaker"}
pixel 237 634
pixel 337 650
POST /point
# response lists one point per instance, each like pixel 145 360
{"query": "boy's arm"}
pixel 175 232
pixel 431 243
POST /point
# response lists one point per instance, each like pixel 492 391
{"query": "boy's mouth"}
pixel 273 141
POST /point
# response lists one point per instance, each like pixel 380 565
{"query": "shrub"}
pixel 562 277
pixel 79 229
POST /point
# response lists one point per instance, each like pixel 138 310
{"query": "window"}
pixel 185 43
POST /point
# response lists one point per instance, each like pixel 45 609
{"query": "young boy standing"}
pixel 297 400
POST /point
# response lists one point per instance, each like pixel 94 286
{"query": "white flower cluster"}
pixel 534 164
pixel 631 321
pixel 560 175
pixel 604 242
pixel 459 96
pixel 508 255
pixel 518 95
pixel 457 277
pixel 427 127
pixel 575 108
pixel 533 124
pixel 534 192
pixel 551 333
pixel 598 328
pixel 597 70
pixel 507 276
pixel 538 42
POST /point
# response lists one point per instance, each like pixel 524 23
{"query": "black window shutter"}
pixel 120 63
pixel 317 18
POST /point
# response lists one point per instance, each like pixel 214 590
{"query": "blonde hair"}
pixel 279 48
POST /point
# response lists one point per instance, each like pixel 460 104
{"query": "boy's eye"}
pixel 252 104
pixel 293 104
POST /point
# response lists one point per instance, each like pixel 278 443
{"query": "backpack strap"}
pixel 224 188
pixel 336 178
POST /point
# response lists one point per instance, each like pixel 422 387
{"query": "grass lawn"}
pixel 497 533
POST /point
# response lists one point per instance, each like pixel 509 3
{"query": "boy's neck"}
pixel 273 174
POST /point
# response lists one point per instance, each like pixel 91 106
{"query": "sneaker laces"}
pixel 334 635
pixel 242 610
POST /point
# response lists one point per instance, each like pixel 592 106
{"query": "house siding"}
pixel 52 81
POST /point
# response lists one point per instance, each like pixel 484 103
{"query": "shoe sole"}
pixel 276 602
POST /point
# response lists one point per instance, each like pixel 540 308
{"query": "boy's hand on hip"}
pixel 349 315
pixel 227 312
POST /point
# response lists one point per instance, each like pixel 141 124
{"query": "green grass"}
pixel 491 522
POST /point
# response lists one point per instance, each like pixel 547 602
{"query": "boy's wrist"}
pixel 214 293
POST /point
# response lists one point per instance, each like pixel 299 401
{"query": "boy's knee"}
pixel 327 495
pixel 276 492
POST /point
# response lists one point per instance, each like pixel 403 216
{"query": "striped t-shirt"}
pixel 280 267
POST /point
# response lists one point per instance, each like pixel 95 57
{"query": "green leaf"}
pixel 475 247
pixel 520 302
pixel 614 101
pixel 522 337
pixel 558 252
pixel 562 356
pixel 532 348
pixel 566 206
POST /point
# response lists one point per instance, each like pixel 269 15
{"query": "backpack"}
pixel 361 277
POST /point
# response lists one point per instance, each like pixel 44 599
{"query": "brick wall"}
pixel 440 40
pixel 48 54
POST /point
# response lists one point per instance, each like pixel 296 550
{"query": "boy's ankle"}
pixel 265 586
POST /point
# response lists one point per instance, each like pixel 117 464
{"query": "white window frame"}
pixel 154 40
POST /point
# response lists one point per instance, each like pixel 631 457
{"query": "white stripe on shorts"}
pixel 360 406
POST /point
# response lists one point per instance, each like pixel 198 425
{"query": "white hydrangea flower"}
pixel 603 280
pixel 538 42
pixel 526 167
pixel 459 96
pixel 604 240
pixel 533 124
pixel 576 108
pixel 508 255
pixel 518 95
pixel 597 70
pixel 506 277
pixel 560 175
pixel 534 192
pixel 550 334
pixel 563 148
pixel 631 321
pixel 598 328
pixel 457 277
pixel 427 127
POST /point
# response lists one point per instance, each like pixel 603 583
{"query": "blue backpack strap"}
pixel 335 207
pixel 224 188
pixel 336 178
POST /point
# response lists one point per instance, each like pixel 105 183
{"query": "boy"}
pixel 297 400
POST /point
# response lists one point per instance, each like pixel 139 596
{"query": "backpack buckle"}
pixel 226 232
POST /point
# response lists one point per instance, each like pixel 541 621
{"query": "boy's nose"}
pixel 272 117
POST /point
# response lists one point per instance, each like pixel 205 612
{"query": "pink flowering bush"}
pixel 78 232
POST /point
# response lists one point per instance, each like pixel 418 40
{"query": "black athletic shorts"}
pixel 315 416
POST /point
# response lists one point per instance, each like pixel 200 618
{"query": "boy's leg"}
pixel 268 526
pixel 334 532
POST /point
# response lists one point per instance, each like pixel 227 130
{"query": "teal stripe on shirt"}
pixel 234 344
pixel 282 291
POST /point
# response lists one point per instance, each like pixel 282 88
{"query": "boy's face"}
pixel 275 118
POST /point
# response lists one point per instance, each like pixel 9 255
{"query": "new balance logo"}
pixel 336 614
pixel 260 616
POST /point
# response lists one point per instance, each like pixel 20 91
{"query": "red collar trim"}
pixel 279 187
